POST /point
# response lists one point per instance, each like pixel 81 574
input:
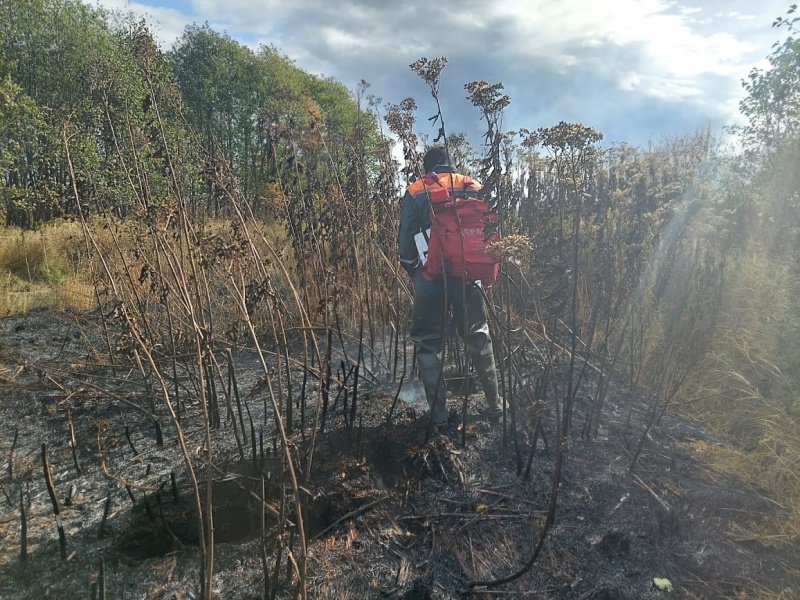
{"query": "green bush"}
pixel 50 274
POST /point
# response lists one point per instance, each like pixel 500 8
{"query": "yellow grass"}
pixel 44 268
pixel 747 391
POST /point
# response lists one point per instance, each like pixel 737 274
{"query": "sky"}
pixel 638 71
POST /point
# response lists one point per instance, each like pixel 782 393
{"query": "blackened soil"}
pixel 392 509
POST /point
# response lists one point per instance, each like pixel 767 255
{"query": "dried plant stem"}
pixel 234 388
pixel 73 442
pixel 23 529
pixel 51 490
pixel 351 515
pixel 11 454
pixel 101 530
pixel 101 582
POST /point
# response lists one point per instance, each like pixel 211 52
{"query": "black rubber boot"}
pixel 433 382
pixel 487 375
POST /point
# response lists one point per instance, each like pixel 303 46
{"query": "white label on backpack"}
pixel 421 240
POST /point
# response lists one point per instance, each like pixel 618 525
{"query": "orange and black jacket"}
pixel 415 213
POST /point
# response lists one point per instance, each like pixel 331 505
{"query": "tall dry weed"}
pixel 747 387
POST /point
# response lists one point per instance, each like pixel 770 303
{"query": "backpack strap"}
pixel 437 193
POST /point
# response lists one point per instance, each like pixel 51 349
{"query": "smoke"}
pixel 413 394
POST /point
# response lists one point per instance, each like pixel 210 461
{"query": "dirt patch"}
pixel 387 515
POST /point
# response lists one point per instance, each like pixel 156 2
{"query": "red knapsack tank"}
pixel 462 226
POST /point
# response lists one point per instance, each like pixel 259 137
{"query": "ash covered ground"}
pixel 387 514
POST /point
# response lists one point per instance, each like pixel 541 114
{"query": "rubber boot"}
pixel 434 390
pixel 487 375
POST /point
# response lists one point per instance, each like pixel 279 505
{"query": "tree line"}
pixel 97 81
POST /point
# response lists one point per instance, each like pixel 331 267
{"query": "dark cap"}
pixel 435 157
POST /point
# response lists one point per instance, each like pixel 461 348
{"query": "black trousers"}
pixel 432 299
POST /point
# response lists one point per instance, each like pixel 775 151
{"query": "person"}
pixel 433 298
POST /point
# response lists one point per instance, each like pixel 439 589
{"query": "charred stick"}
pixel 216 421
pixel 354 403
pixel 342 386
pixel 396 337
pixel 165 524
pixel 341 377
pixel 23 529
pixel 280 542
pixel 159 434
pixel 146 377
pixel 253 445
pixel 262 545
pixel 358 439
pixel 532 450
pixel 230 415
pixel 229 388
pixel 101 584
pixel 62 538
pixel 252 431
pixel 352 514
pixel 261 446
pixel 326 386
pixel 48 480
pixel 289 407
pixel 176 498
pixel 465 404
pixel 235 389
pixel 130 441
pixel 73 442
pixel 106 508
pixel 399 385
pixel 344 410
pixel 148 509
pixel 303 400
pixel 341 338
pixel 396 398
pixel 289 559
pixel 276 571
pixel 11 454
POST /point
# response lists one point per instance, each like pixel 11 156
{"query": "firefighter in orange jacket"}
pixel 432 299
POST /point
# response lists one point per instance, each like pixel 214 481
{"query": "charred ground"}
pixel 387 514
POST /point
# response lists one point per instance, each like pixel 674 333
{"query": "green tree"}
pixel 60 53
pixel 224 86
pixel 772 101
pixel 27 145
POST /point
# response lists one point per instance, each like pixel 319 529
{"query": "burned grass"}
pixel 386 514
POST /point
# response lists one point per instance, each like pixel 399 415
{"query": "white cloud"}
pixel 629 81
pixel 167 23
pixel 343 42
pixel 739 16
pixel 650 27
pixel 690 54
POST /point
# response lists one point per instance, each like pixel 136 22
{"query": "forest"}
pixel 207 382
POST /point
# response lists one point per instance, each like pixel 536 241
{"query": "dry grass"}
pixel 772 470
pixel 51 267
pixel 49 253
pixel 43 268
pixel 748 392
